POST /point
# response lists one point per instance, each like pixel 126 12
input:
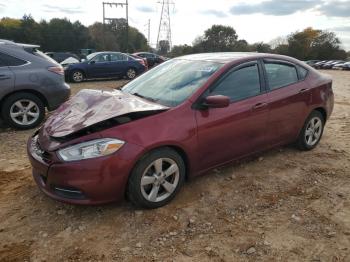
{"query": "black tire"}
pixel 24 99
pixel 134 191
pixel 302 142
pixel 131 73
pixel 74 76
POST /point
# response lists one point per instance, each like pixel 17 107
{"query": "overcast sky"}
pixel 253 20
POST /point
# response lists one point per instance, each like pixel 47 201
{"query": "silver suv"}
pixel 30 81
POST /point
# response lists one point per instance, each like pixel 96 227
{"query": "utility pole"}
pixel 149 32
pixel 148 26
pixel 164 31
pixel 109 19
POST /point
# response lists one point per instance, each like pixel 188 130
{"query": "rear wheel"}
pixel 312 131
pixel 23 111
pixel 156 179
pixel 131 73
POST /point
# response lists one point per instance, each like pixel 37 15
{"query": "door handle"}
pixel 3 77
pixel 259 106
pixel 304 90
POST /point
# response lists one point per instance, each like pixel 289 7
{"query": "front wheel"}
pixel 156 179
pixel 77 76
pixel 312 131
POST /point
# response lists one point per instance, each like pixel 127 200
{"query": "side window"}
pixel 101 58
pixel 279 74
pixel 302 72
pixel 118 57
pixel 7 60
pixel 240 84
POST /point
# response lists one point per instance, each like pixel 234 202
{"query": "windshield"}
pixel 172 82
pixel 88 57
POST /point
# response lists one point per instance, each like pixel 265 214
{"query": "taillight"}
pixel 56 69
pixel 142 62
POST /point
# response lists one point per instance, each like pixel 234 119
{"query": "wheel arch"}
pixel 30 91
pixel 131 67
pixel 323 111
pixel 80 70
pixel 178 149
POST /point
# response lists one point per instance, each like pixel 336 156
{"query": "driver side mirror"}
pixel 92 62
pixel 217 101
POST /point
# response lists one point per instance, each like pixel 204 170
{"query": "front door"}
pixel 228 133
pixel 99 66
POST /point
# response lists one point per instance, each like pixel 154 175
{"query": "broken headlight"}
pixel 90 149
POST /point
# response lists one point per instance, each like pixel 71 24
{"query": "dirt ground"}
pixel 283 205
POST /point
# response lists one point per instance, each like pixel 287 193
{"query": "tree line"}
pixel 62 35
pixel 309 44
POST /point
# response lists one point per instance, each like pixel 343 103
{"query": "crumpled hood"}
pixel 90 107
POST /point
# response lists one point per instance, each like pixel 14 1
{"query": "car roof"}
pixel 11 43
pixel 105 52
pixel 229 57
pixel 145 53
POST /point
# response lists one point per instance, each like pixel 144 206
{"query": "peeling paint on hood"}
pixel 90 107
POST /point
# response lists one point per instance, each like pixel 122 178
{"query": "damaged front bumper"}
pixel 87 182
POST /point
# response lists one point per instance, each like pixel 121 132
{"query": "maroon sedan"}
pixel 178 120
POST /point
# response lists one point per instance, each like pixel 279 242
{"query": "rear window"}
pixel 302 72
pixel 280 74
pixel 7 60
pixel 40 54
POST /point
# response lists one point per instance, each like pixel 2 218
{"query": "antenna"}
pixel 164 32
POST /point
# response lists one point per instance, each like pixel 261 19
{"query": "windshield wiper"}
pixel 144 97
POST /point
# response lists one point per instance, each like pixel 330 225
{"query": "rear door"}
pixel 7 77
pixel 228 133
pixel 119 64
pixel 288 96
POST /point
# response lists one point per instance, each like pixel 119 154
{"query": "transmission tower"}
pixel 164 32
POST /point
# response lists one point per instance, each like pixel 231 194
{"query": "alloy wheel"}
pixel 24 112
pixel 160 179
pixel 313 131
pixel 78 76
pixel 131 73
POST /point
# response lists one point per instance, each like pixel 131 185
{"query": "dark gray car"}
pixel 30 81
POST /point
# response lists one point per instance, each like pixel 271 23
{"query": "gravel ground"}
pixel 282 205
